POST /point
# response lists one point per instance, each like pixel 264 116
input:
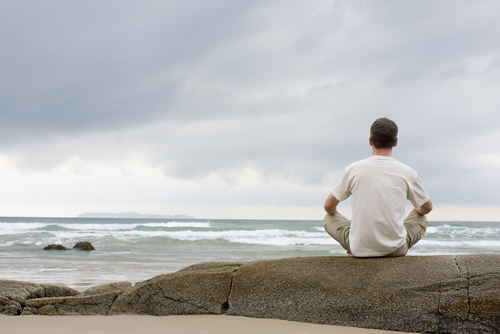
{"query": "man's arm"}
pixel 331 204
pixel 424 208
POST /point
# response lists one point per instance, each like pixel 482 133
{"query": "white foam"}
pixel 99 227
pixel 463 229
pixel 131 226
pixel 460 243
pixel 264 237
pixel 179 224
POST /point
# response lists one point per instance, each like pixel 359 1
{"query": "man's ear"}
pixel 370 141
pixel 395 143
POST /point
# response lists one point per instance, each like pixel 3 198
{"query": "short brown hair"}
pixel 384 133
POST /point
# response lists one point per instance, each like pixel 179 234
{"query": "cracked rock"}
pixel 413 294
pixel 202 290
pixel 483 273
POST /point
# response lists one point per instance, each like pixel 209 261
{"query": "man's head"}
pixel 384 133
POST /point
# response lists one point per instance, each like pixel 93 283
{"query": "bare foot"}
pixel 349 254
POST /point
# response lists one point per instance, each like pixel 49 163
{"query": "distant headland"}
pixel 129 215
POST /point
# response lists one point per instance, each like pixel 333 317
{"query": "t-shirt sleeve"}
pixel 416 192
pixel 341 191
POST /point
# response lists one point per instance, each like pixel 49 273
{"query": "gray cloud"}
pixel 287 88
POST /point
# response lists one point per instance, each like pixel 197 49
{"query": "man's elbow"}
pixel 330 209
pixel 331 204
pixel 427 207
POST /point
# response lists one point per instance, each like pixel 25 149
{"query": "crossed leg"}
pixel 338 227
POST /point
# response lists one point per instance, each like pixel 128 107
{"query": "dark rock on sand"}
pixel 84 245
pixel 402 294
pixel 9 307
pixel 54 247
pixel 94 301
pixel 20 291
pixel 15 294
pixel 105 288
pixel 435 294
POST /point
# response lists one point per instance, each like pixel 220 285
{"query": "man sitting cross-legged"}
pixel 379 186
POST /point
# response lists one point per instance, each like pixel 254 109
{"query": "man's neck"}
pixel 385 152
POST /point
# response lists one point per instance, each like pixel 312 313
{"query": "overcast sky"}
pixel 243 109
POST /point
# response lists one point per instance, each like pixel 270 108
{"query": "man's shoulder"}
pixel 380 161
pixel 361 162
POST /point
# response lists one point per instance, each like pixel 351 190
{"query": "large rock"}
pixel 436 294
pixel 483 291
pixel 198 290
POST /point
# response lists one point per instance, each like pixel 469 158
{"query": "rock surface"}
pixel 105 288
pixel 85 305
pixel 402 294
pixel 433 294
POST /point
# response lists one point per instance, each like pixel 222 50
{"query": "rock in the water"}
pixel 105 288
pixel 84 245
pixel 54 247
pixel 203 291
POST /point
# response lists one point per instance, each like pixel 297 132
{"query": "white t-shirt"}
pixel 379 187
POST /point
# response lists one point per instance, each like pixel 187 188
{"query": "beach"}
pixel 180 324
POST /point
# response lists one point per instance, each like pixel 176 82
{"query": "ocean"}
pixel 138 249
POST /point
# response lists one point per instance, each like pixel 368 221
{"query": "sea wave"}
pixel 16 228
pixel 261 237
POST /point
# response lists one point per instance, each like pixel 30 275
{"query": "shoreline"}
pixel 172 324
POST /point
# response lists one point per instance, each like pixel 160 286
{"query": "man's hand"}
pixel 423 209
pixel 331 204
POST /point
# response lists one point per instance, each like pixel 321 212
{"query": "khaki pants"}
pixel 339 226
